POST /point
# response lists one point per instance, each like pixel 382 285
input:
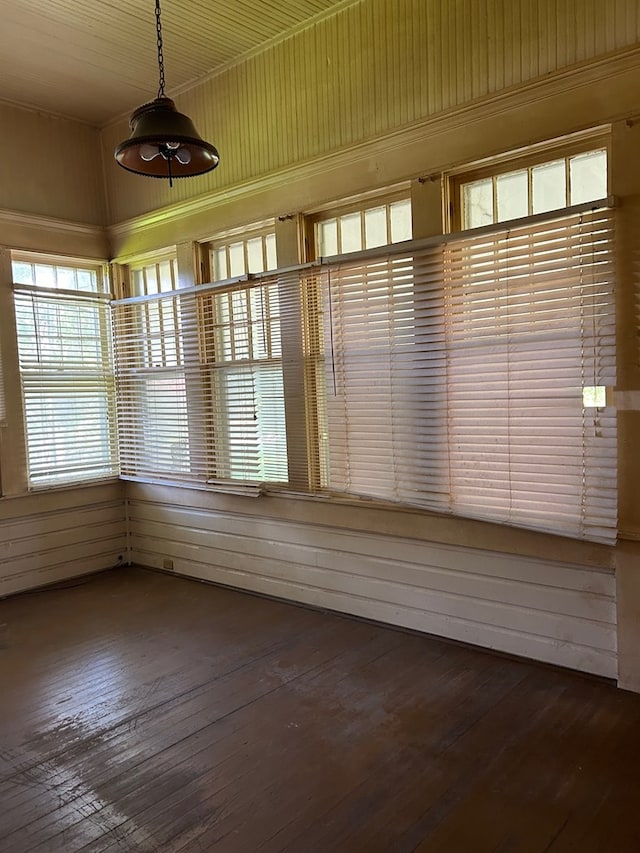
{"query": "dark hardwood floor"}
pixel 143 712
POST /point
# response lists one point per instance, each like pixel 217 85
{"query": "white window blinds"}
pixel 470 377
pixel 67 379
pixel 385 396
pixel 467 377
pixel 200 388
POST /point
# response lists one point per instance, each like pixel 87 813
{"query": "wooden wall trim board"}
pixel 63 498
pixel 628 614
pixel 372 517
pixel 59 534
pixel 30 232
pixel 13 456
pixel 562 613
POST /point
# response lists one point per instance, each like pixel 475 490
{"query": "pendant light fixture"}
pixel 163 142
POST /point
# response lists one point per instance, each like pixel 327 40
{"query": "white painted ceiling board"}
pixel 93 60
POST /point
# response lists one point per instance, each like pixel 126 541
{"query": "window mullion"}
pixel 13 454
pixel 293 377
pixel 289 248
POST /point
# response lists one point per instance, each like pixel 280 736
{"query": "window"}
pixel 460 378
pixel 365 227
pixel 159 276
pixel 530 352
pixel 378 406
pixel 203 399
pixel 242 360
pixel 66 370
pixel 151 354
pixel 527 189
pixel 251 251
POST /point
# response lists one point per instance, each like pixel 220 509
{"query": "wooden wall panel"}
pixel 50 166
pixel 51 536
pixel 544 609
pixel 373 67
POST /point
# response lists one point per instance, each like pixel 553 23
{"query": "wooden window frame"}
pixel 226 239
pixel 521 159
pixel 356 204
pixel 18 481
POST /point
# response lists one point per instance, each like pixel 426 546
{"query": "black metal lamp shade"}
pixel 165 144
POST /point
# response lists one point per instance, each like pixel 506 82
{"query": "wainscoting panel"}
pixel 59 534
pixel 558 612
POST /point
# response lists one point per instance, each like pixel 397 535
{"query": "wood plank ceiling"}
pixel 93 61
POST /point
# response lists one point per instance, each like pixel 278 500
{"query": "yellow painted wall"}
pixel 376 66
pixel 50 167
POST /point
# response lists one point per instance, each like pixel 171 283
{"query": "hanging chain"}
pixel 160 55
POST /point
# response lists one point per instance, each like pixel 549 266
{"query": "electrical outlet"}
pixel 167 563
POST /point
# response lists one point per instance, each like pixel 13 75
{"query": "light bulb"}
pixel 183 156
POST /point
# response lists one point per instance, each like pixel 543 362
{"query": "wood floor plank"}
pixel 148 736
pixel 145 713
pixel 232 759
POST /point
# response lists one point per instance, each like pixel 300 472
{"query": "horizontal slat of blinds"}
pixel 68 385
pixel 455 376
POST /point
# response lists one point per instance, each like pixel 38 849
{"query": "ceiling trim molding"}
pixel 538 90
pixel 31 220
pixel 42 111
pixel 32 232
